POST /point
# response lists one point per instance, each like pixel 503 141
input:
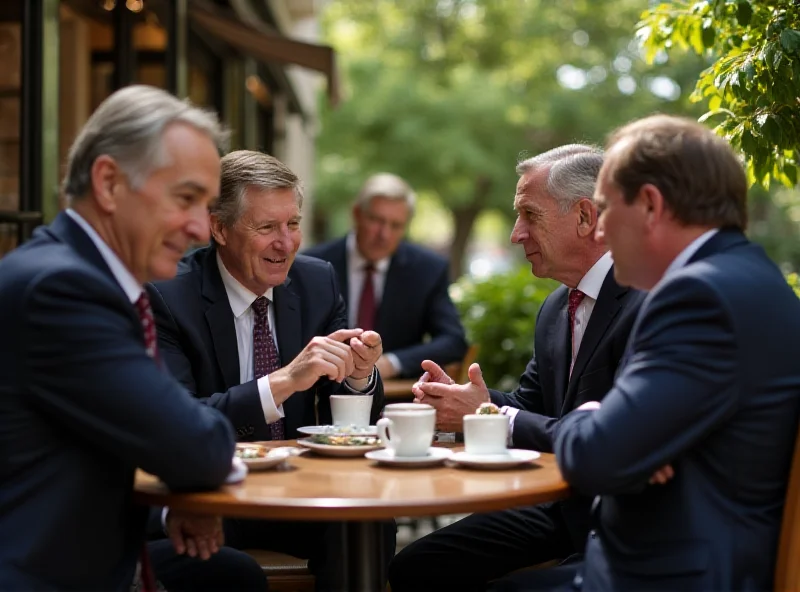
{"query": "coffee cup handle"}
pixel 383 424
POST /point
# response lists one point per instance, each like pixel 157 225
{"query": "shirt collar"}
pixel 592 282
pixel 239 297
pixel 356 262
pixel 687 253
pixel 129 284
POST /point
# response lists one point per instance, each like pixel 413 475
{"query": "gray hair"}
pixel 128 126
pixel 572 172
pixel 247 168
pixel 388 186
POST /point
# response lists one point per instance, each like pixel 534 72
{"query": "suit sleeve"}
pixel 532 429
pixel 241 404
pixel 447 340
pixel 87 368
pixel 678 386
pixel 325 388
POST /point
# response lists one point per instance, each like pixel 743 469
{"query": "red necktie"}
pixel 265 354
pixel 366 305
pixel 146 577
pixel 575 299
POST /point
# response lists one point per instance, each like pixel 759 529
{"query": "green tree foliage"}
pixel 752 87
pixel 451 93
pixel 499 314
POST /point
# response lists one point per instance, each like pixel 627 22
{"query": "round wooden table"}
pixel 361 493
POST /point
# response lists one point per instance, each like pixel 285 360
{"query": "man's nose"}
pixel 199 226
pixel 517 233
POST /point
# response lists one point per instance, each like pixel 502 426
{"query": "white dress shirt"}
pixel 356 274
pixel 129 284
pixel 241 300
pixel 590 284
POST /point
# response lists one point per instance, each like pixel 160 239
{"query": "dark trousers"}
pixel 468 554
pixel 554 579
pixel 226 570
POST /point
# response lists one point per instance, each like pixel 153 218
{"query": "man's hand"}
pixel 193 534
pixel 453 401
pixel 433 373
pixel 367 348
pixel 662 475
pixel 329 357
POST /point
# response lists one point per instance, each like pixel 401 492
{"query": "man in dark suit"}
pixel 260 333
pixel 581 332
pixel 83 403
pixel 406 298
pixel 708 394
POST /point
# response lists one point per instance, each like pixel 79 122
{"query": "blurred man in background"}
pixel 392 286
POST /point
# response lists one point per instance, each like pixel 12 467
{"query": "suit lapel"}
pixel 288 322
pixel 339 262
pixel 289 326
pixel 220 320
pixel 561 350
pixel 605 310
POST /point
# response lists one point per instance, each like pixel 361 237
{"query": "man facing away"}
pixel 395 287
pixel 580 336
pixel 259 332
pixel 83 401
pixel 708 394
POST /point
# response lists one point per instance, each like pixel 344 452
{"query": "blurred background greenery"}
pixel 450 94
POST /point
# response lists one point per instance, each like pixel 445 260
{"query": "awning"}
pixel 266 47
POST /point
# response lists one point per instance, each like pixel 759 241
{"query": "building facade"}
pixel 256 62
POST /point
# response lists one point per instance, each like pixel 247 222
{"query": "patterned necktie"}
pixel 575 299
pixel 148 325
pixel 265 354
pixel 145 580
pixel 366 305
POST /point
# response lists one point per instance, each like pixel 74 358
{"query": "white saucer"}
pixel 513 458
pixel 333 450
pixel 274 457
pixel 435 456
pixel 331 430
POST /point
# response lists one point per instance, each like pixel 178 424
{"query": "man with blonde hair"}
pixel 256 330
pixel 392 286
pixel 84 402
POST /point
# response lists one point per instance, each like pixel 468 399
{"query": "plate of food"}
pixel 257 457
pixel 340 445
pixel 339 430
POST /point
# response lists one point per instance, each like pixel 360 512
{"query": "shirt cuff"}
pixel 271 412
pixel 367 390
pixel 395 362
pixel 164 513
pixel 512 415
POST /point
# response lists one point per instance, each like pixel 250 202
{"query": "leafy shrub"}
pixel 794 282
pixel 499 315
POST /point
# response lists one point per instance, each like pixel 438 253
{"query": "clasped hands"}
pixel 344 354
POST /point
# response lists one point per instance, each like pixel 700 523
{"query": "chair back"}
pixel 787 571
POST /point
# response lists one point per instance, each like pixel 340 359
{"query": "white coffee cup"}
pixel 351 409
pixel 406 429
pixel 486 434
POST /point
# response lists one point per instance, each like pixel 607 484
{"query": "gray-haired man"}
pixel 581 332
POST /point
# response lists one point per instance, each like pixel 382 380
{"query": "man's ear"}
pixel 218 230
pixel 652 201
pixel 587 217
pixel 107 181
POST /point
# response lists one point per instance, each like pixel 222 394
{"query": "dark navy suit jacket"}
pixel 197 340
pixel 711 386
pixel 415 303
pixel 81 406
pixel 547 392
